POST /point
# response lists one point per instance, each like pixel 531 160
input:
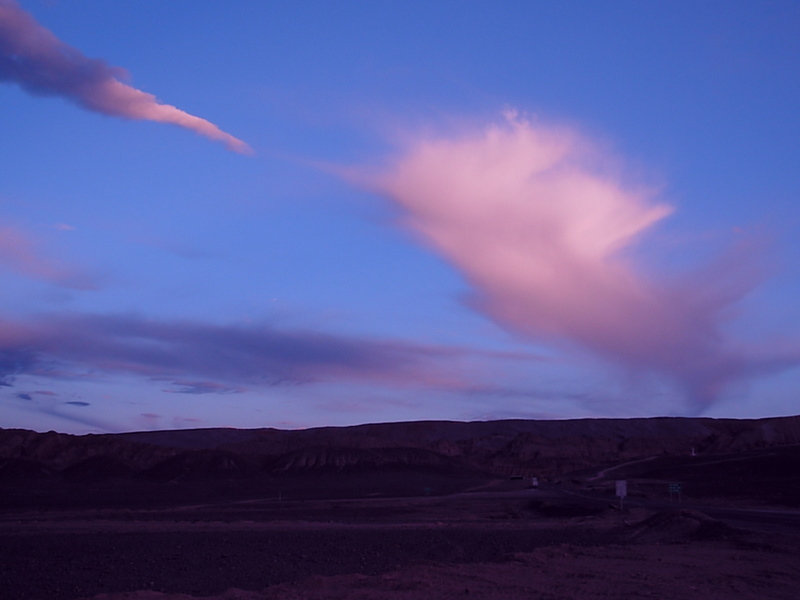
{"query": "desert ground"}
pixel 354 526
pixel 492 543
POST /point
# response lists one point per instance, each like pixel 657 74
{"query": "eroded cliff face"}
pixel 499 448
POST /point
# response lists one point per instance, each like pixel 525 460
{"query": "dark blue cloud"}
pixel 203 387
pixel 206 358
pixel 14 359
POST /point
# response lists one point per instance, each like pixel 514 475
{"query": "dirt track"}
pixel 485 546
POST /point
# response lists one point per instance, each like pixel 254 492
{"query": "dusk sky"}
pixel 297 214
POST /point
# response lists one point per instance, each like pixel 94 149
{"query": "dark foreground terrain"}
pixel 491 544
pixel 356 515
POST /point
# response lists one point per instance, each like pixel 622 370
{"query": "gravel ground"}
pixel 505 546
pixel 64 566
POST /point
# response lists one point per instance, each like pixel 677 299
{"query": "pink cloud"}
pixel 544 229
pixel 34 58
pixel 150 420
pixel 18 253
pixel 186 422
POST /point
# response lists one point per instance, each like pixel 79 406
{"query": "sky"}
pixel 302 214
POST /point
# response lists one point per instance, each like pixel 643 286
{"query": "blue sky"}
pixel 381 211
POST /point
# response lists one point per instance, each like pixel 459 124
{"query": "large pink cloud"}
pixel 544 228
pixel 40 63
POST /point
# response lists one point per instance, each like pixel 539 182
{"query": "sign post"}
pixel 622 490
pixel 674 488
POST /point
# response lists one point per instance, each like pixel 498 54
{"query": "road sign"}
pixel 674 488
pixel 622 488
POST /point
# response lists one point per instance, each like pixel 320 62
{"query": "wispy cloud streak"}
pixel 34 58
pixel 225 357
pixel 203 387
pixel 544 230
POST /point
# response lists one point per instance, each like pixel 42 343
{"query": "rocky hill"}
pixel 492 448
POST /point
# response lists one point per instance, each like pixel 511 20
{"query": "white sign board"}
pixel 622 488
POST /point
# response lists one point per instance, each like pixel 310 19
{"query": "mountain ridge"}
pixel 502 447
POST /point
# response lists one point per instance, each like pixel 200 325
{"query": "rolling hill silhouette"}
pixel 712 456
